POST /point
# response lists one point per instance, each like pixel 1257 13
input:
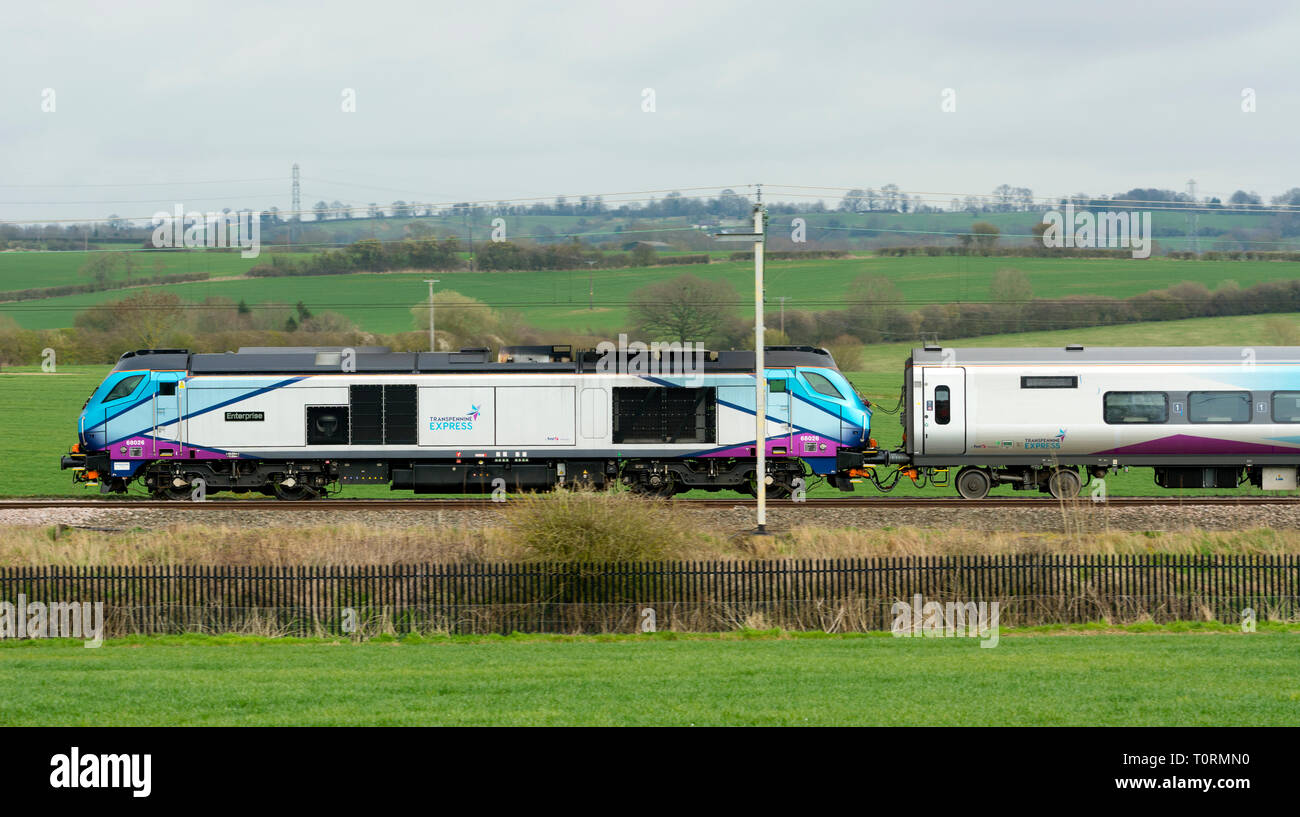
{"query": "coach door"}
pixel 944 410
pixel 167 419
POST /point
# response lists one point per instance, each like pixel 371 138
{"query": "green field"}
pixel 40 410
pixel 558 300
pixel 858 230
pixel 33 270
pixel 742 679
pixel 899 229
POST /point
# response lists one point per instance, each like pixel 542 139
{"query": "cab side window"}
pixel 822 385
pixel 123 388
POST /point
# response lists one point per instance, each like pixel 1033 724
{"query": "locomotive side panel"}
pixel 247 417
pixel 535 416
pixel 458 416
pixel 593 413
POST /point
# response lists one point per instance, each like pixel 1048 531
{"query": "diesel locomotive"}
pixel 296 422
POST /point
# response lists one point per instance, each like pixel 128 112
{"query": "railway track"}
pixel 881 503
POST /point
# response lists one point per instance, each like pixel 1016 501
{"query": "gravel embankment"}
pixel 1045 519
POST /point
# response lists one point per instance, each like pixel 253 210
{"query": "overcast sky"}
pixel 501 100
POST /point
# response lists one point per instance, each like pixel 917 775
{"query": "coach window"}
pixel 1286 406
pixel 942 405
pixel 123 388
pixel 1218 407
pixel 1122 407
pixel 822 385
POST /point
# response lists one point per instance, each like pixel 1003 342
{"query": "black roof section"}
pixel 154 359
pixel 380 360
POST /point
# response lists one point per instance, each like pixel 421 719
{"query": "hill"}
pixel 558 299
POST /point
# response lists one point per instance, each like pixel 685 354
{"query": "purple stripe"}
pixel 1187 444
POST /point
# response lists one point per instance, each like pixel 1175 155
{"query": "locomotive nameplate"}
pixel 245 416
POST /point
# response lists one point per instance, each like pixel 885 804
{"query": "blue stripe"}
pixel 753 412
pixel 135 405
pixel 834 414
pixel 242 397
pixel 795 395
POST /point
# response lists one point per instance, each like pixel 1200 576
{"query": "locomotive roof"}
pixel 378 360
pixel 1108 354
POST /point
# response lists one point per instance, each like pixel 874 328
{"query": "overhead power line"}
pixel 146 184
pixel 616 198
pixel 1090 201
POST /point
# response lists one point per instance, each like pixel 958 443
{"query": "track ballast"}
pixel 950 503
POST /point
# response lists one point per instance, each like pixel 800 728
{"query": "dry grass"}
pixel 578 526
pixel 342 544
pixel 827 543
pixel 613 537
pixel 586 527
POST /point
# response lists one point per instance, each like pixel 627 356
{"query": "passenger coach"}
pixel 1208 417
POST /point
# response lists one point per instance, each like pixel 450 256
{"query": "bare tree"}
pixel 98 268
pixel 874 310
pixel 1010 291
pixel 985 234
pixel 686 309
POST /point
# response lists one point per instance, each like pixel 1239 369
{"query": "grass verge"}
pixel 1161 678
pixel 691 535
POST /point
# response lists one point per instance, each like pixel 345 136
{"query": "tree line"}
pixel 372 255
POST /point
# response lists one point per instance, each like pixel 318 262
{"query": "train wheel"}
pixel 169 490
pixel 659 492
pixel 663 490
pixel 297 492
pixel 172 493
pixel 777 490
pixel 1064 483
pixel 974 483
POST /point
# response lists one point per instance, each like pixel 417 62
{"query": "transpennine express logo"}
pixel 1046 442
pixel 464 423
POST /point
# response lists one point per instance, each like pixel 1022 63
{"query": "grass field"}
pixel 32 270
pixel 45 406
pixel 845 229
pixel 1159 678
pixel 558 300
